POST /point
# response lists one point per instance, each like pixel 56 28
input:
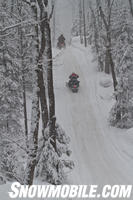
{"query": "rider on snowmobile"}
pixel 73 79
pixel 74 75
pixel 61 41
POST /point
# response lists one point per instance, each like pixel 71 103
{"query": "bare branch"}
pixel 12 141
pixel 14 176
pixel 27 2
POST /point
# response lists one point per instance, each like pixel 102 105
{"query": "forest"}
pixel 33 144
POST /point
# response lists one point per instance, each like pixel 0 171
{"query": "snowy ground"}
pixel 102 154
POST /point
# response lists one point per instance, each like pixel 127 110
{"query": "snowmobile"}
pixel 73 82
pixel 61 42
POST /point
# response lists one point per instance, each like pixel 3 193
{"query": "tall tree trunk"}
pixel 54 24
pixel 21 48
pixel 35 115
pixel 43 100
pixel 52 119
pixel 112 68
pixel 131 7
pixel 42 93
pixel 25 109
pixel 80 21
pixel 12 7
pixel 107 62
pixel 33 142
pixel 84 24
pixel 41 85
pixel 97 38
pixel 46 32
pixel 109 52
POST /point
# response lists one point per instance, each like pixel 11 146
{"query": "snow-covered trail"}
pixel 97 157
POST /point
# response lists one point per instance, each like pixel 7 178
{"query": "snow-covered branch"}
pixel 9 140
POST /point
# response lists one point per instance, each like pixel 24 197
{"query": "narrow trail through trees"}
pixel 97 160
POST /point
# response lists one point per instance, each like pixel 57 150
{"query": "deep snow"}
pixel 102 154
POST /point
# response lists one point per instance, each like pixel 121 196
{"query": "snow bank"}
pixel 105 82
pixel 129 131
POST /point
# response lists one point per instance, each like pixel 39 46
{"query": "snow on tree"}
pixel 11 164
pixel 121 114
pixel 11 90
pixel 43 63
pixel 51 166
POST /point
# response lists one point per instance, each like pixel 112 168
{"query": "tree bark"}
pixel 109 53
pixel 37 94
pixel 107 62
pixel 33 142
pixel 40 52
pixel 97 38
pixel 85 39
pixel 25 110
pixel 54 25
pixel 21 36
pixel 48 53
pixel 80 22
pixel 131 7
pixel 52 119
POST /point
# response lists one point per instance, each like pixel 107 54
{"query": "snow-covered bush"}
pixel 120 116
pixel 105 82
pixel 10 165
pixel 121 113
pixel 51 166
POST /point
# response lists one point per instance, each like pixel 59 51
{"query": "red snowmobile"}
pixel 73 82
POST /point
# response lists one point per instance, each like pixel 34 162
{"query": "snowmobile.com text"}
pixel 70 191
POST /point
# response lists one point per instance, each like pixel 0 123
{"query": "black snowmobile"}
pixel 73 82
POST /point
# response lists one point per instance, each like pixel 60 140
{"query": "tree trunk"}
pixel 43 101
pixel 109 53
pixel 54 25
pixel 41 85
pixel 42 93
pixel 35 116
pixel 131 7
pixel 46 43
pixel 97 38
pixel 33 142
pixel 37 94
pixel 25 110
pixel 112 70
pixel 21 36
pixel 107 62
pixel 112 66
pixel 80 22
pixel 52 119
pixel 46 33
pixel 85 40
